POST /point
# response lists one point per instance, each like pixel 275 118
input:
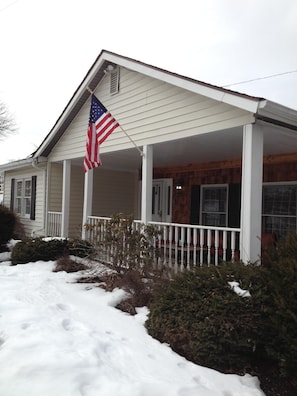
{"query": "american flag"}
pixel 101 125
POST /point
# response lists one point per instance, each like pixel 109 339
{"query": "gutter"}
pixel 275 122
pixel 15 164
pixel 276 114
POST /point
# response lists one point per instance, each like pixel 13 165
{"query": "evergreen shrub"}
pixel 35 249
pixel 280 309
pixel 80 247
pixel 7 225
pixel 205 321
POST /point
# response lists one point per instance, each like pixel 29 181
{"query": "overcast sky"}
pixel 48 46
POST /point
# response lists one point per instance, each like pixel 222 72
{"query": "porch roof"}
pixel 225 145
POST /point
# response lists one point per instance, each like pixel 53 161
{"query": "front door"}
pixel 162 200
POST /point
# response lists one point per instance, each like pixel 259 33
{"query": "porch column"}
pixel 147 184
pixel 88 199
pixel 251 194
pixel 65 198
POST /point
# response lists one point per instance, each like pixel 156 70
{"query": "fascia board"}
pixel 219 95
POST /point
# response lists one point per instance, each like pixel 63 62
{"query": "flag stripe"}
pixel 108 129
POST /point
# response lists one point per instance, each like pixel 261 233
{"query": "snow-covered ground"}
pixel 61 338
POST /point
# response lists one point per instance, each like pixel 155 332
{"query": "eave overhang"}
pixel 30 161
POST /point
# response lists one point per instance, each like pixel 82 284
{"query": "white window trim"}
pixel 23 197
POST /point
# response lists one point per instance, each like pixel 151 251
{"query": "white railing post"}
pixel 147 184
pixel 88 197
pixel 216 247
pixel 66 198
pixel 195 247
pixel 224 245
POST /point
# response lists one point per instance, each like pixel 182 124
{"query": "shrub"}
pixel 80 248
pixel 280 310
pixel 124 244
pixel 204 320
pixel 65 263
pixel 19 229
pixel 35 249
pixel 7 224
pixel 139 290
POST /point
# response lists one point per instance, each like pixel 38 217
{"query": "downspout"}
pixel 35 165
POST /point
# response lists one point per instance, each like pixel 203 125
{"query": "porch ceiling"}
pixel 216 146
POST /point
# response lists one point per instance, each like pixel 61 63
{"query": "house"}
pixel 214 169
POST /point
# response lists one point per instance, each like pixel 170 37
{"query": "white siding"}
pixel 76 195
pixel 150 111
pixel 32 227
pixel 114 192
pixel 55 190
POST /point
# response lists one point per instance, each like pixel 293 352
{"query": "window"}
pixel 214 205
pixel 279 209
pixel 23 196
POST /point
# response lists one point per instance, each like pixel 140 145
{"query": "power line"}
pixel 260 78
pixel 8 5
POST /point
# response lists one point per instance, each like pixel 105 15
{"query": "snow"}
pixel 62 338
pixel 238 290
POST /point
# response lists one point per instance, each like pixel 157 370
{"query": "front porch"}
pixel 195 230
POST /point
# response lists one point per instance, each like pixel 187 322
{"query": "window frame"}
pixel 278 215
pixel 23 197
pixel 214 212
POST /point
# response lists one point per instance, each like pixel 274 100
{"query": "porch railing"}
pixel 191 245
pixel 54 221
pixel 180 246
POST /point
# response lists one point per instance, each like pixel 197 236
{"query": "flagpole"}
pixel 132 141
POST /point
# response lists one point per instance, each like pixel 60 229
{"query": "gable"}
pixel 243 108
pixel 150 111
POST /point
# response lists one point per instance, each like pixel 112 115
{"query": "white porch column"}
pixel 251 193
pixel 88 199
pixel 147 184
pixel 66 198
